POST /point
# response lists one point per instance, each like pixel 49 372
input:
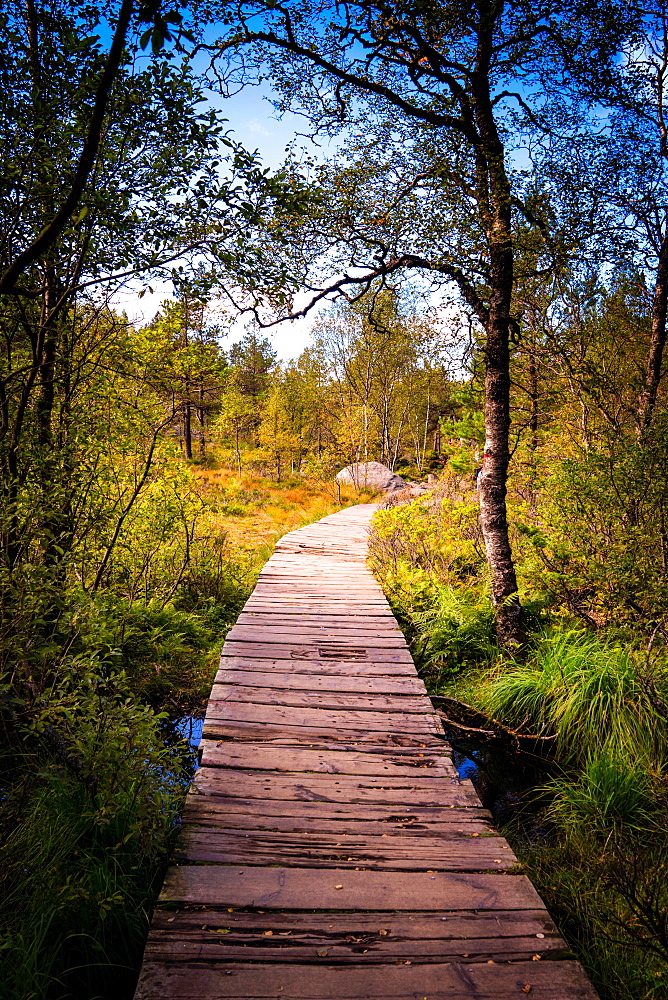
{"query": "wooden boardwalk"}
pixel 329 849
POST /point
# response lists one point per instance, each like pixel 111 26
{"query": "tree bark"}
pixel 187 429
pixel 493 515
pixel 494 205
pixel 202 423
pixel 647 401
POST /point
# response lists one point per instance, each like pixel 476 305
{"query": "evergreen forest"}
pixel 472 217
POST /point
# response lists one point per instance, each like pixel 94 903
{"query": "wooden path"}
pixel 329 849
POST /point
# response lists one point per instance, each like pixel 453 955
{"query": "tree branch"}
pixel 52 231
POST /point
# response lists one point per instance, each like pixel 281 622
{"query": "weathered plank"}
pixel 437 981
pixel 296 651
pixel 352 720
pixel 262 757
pixel 368 817
pixel 343 889
pixel 342 623
pixel 325 730
pixel 330 787
pixel 291 680
pixel 322 938
pixel 312 664
pixel 403 703
pixel 456 853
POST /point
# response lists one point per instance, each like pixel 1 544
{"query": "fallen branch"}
pixel 470 723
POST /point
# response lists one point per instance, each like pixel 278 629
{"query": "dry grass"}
pixel 272 509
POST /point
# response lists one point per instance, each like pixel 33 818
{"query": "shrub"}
pixel 455 631
pixel 92 792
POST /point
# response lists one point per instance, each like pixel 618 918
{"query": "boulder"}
pixel 371 476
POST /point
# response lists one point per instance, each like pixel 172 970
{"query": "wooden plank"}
pixel 330 718
pixel 414 929
pixel 308 664
pixel 341 620
pixel 310 636
pixel 399 745
pixel 457 853
pixel 437 981
pixel 330 787
pixel 307 651
pixel 259 756
pixel 328 682
pixel 370 817
pixel 278 695
pixel 273 888
pixel 245 729
pixel 323 938
pixel 287 605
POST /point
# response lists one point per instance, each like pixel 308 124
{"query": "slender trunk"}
pixel 187 429
pixel 424 436
pixel 201 412
pixel 493 515
pixel 533 413
pixel 47 366
pixel 647 401
pixel 494 206
pixel 366 433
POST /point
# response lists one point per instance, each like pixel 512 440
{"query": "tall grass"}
pixel 91 791
pixel 587 692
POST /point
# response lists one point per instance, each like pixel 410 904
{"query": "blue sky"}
pixel 252 119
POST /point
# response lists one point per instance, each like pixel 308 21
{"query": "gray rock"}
pixel 370 475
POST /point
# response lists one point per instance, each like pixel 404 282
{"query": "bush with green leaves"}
pixel 92 792
pixel 596 539
pixel 439 535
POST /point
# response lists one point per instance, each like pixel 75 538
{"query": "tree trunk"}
pixel 237 448
pixel 201 412
pixel 533 414
pixel 647 400
pixel 494 206
pixel 187 429
pixel 493 516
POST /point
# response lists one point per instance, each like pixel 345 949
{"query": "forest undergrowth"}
pixel 93 768
pixel 572 744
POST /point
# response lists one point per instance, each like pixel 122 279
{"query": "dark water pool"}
pixel 189 728
pixel 467 767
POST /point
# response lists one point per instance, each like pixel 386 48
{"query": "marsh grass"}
pixel 79 875
pixel 614 795
pixel 590 827
pixel 586 691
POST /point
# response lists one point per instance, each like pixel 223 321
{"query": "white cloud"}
pixel 257 128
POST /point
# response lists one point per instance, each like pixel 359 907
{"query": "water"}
pixel 467 767
pixel 190 728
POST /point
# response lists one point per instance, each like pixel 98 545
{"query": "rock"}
pixel 404 494
pixel 370 475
